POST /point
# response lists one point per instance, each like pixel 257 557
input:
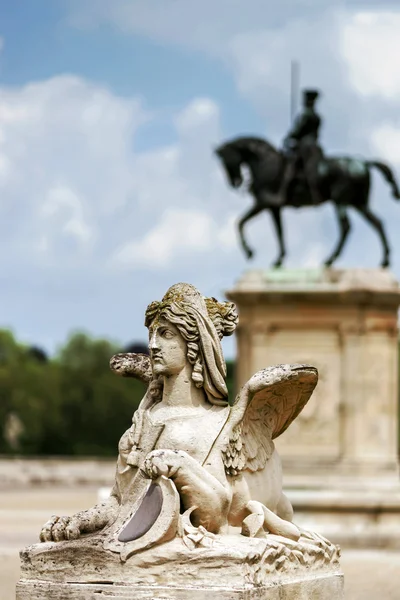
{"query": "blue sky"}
pixel 166 77
pixel 108 115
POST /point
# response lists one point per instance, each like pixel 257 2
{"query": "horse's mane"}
pixel 256 144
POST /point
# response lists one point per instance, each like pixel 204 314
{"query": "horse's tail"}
pixel 388 175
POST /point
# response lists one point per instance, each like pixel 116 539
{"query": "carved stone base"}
pixel 233 566
pixel 323 587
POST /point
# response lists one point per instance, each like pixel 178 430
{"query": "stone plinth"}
pixel 233 567
pixel 345 441
pixel 324 587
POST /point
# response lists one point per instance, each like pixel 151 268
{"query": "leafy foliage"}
pixel 70 405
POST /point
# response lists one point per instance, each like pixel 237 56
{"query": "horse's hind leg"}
pixel 378 226
pixel 276 217
pixel 344 226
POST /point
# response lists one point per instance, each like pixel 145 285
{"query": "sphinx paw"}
pixel 163 462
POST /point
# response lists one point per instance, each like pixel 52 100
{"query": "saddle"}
pixel 296 181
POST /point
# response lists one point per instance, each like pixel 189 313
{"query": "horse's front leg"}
pixel 276 217
pixel 196 486
pixel 252 212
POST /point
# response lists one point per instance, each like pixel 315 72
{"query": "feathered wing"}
pixel 263 410
pixel 134 365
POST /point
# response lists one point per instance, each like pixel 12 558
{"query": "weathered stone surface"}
pixel 252 560
pixel 232 564
pixel 321 587
pixel 197 501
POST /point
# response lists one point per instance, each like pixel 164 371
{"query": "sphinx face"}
pixel 168 349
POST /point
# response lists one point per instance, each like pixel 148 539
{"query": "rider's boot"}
pixel 287 179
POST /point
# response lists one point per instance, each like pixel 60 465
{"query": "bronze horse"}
pixel 341 180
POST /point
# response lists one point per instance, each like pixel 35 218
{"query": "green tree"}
pixel 97 404
pixel 71 405
pixel 29 393
pixel 10 356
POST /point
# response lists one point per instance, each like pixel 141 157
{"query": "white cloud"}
pixel 75 193
pixel 260 59
pixel 226 234
pixel 313 254
pixel 73 222
pixel 177 233
pixel 370 44
pixel 253 37
pixel 341 49
pixel 199 113
pixel 202 25
pixel 67 159
pixel 206 25
pixel 258 39
pixel 385 140
pixel 65 162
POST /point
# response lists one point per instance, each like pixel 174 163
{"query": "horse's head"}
pixel 232 160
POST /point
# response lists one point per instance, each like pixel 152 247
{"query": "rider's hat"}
pixel 310 95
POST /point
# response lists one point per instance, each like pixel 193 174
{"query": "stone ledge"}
pixel 325 286
pixel 24 471
pixel 327 279
pixel 345 501
pixel 363 519
pixel 323 587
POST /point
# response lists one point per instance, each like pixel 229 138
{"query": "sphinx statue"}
pixel 198 480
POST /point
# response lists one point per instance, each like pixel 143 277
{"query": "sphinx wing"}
pixel 263 410
pixel 134 365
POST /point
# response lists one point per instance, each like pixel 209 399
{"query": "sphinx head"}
pixel 186 328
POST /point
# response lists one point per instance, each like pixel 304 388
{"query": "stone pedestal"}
pixel 234 567
pixel 323 587
pixel 340 456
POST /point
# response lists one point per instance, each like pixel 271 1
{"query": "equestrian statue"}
pixel 300 175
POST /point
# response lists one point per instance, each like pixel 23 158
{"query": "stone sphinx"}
pixel 197 505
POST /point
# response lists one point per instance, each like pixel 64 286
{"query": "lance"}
pixel 294 88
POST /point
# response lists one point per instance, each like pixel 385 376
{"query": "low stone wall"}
pixel 24 472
